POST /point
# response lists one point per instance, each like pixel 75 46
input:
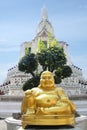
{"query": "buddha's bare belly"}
pixel 49 104
pixel 45 100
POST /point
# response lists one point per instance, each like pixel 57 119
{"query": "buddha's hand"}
pixel 68 102
pixel 65 100
pixel 29 98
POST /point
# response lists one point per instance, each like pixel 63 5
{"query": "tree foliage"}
pixel 61 73
pixel 52 59
pixel 51 41
pixel 54 43
pixel 41 45
pixel 32 82
pixel 28 64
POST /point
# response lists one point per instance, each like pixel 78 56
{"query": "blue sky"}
pixel 19 20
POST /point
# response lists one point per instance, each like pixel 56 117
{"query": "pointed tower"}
pixel 44 28
pixel 44 25
pixel 43 31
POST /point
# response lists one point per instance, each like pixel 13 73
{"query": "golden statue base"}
pixel 48 120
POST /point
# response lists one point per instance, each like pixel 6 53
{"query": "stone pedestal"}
pixel 13 124
pixel 82 124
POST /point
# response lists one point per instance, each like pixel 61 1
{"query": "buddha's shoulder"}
pixel 29 91
pixel 59 89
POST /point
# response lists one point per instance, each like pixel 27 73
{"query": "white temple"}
pixel 74 85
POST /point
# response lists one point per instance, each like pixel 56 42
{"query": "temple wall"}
pixel 9 105
pixel 12 104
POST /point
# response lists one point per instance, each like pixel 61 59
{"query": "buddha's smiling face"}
pixel 47 80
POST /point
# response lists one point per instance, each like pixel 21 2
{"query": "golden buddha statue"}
pixel 47 104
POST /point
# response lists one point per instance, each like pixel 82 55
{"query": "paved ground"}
pixel 3 125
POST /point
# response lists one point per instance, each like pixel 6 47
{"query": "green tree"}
pixel 66 71
pixel 28 64
pixel 32 82
pixel 61 73
pixel 52 59
pixel 51 41
pixel 41 45
pixel 54 43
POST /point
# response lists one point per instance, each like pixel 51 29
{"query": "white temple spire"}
pixel 44 14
